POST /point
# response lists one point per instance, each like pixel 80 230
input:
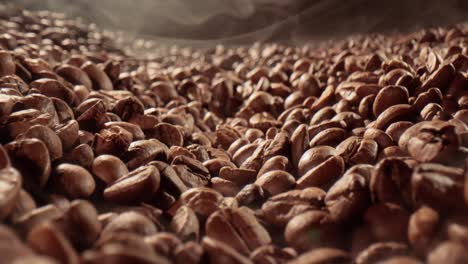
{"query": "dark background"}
pixel 244 21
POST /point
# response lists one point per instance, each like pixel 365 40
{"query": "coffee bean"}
pixel 378 252
pixel 281 208
pixel 438 186
pixel 185 224
pixel 422 228
pixel 138 185
pixel 323 255
pixel 108 168
pixel 219 252
pixel 319 166
pixel 202 200
pixel 388 222
pixel 276 181
pixel 143 151
pixel 75 181
pixel 10 182
pixel 448 252
pixel 48 240
pixel 190 253
pixel 388 96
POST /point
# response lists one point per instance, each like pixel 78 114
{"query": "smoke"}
pixel 232 22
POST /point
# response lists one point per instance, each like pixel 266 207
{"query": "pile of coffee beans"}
pixel 346 151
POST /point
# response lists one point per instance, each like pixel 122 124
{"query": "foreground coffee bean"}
pixel 10 182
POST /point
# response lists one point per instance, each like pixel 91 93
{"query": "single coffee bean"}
pixel 281 208
pixel 131 222
pixel 185 224
pixel 202 200
pixel 422 228
pixel 75 181
pixel 109 168
pixel 276 181
pixel 138 185
pixel 378 252
pixel 323 255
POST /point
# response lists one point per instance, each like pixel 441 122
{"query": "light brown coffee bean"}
pixel 109 168
pixel 323 255
pixel 185 224
pixel 276 181
pixel 378 252
pixel 448 252
pixel 202 200
pixel 10 187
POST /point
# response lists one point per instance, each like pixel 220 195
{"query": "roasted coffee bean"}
pixel 109 168
pixel 378 252
pixel 348 197
pixel 138 185
pixel 219 252
pixel 281 208
pixel 448 252
pixel 391 181
pixel 388 96
pixel 202 200
pixel 81 155
pixel 32 159
pixel 190 253
pixel 131 222
pixel 143 151
pixel 319 167
pixel 323 255
pixel 311 229
pixel 251 195
pixel 48 240
pixel 75 181
pixel 276 181
pixel 387 222
pixel 272 254
pixel 422 228
pixel 185 224
pixel 10 182
pixel 438 186
pixel 355 150
pixel 238 228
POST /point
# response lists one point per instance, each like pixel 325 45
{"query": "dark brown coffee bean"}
pixel 323 255
pixel 75 181
pixel 81 155
pixel 355 150
pixel 99 78
pixel 281 208
pixel 378 252
pixel 388 96
pixel 163 243
pixel 143 151
pixel 328 137
pixel 348 197
pixel 382 138
pixel 251 195
pixel 92 117
pixel 299 144
pixel 319 167
pixel 24 204
pixel 54 88
pixel 32 159
pixel 50 139
pixel 74 75
pixel 275 163
pixel 395 113
pixel 427 145
pixel 276 181
pixel 391 181
pixel 438 186
pixel 396 130
pixel 114 140
pixel 36 216
pixel 68 133
pixel 272 254
pixel 138 185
